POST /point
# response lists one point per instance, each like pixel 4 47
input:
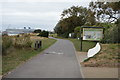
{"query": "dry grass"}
pixel 107 57
pixel 36 38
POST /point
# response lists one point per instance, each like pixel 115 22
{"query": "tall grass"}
pixel 22 41
pixel 6 43
pixel 15 42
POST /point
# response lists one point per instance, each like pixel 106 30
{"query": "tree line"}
pixel 101 14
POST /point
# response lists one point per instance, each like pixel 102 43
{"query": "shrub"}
pixel 44 34
pixel 37 31
pixel 65 35
pixel 111 34
pixel 77 32
pixel 6 43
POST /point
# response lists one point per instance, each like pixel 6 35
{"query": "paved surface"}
pixel 58 61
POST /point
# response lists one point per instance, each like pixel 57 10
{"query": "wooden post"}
pixel 36 45
pixel 40 43
pixel 81 39
pixel 81 44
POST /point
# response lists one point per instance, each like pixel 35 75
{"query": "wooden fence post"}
pixel 38 44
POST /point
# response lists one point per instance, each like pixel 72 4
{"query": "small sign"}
pixel 70 35
pixel 92 33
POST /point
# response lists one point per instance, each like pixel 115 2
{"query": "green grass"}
pixel 53 35
pixel 18 56
pixel 85 44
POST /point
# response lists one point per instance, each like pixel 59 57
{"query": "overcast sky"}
pixel 43 14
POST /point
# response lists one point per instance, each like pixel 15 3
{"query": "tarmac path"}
pixel 58 61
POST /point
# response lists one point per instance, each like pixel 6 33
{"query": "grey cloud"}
pixel 43 14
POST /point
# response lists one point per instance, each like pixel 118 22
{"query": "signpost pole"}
pixel 81 44
pixel 81 39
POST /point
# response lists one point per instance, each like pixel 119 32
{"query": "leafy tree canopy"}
pixel 70 18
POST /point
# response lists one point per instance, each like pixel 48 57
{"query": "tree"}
pixel 90 18
pixel 105 11
pixel 70 18
pixel 74 11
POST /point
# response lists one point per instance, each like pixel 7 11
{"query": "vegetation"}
pixel 107 57
pixel 16 56
pixel 22 41
pixel 70 18
pixel 111 32
pixel 98 14
pixel 86 44
pixel 53 35
pixel 44 33
pixel 37 31
pixel 16 42
pixel 6 44
pixel 105 11
pixel 77 32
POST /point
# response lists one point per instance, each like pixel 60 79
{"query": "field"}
pixel 17 56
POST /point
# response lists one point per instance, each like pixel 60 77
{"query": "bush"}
pixel 77 32
pixel 37 31
pixel 22 42
pixel 111 34
pixel 44 34
pixel 65 35
pixel 6 44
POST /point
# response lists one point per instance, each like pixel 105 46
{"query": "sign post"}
pixel 81 39
pixel 91 34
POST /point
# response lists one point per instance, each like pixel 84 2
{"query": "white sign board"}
pixel 95 34
pixel 70 35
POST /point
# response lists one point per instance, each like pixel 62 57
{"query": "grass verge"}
pixel 18 56
pixel 86 44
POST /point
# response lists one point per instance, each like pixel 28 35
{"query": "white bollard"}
pixel 93 51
